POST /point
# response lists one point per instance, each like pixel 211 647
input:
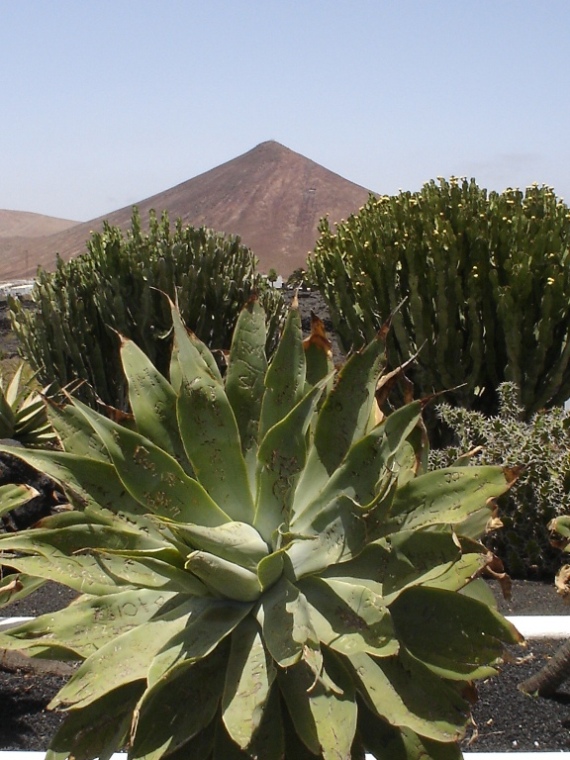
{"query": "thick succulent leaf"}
pixel 94 481
pixel 350 617
pixel 285 617
pixel 285 378
pixel 405 693
pixel 153 402
pixel 211 621
pixel 60 555
pixel 268 741
pixel 87 624
pixel 337 533
pixel 209 430
pixel 189 350
pixel 153 477
pixel 386 742
pixel 318 352
pixel 75 433
pixel 177 707
pixel 100 729
pixel 144 570
pixel 249 675
pixel 455 636
pixel 224 578
pixel 324 719
pixel 427 556
pixel 200 746
pixel 368 465
pixel 124 659
pixel 445 496
pixel 17 586
pixel 80 574
pixel 561 525
pixel 367 569
pixel 235 541
pixel 245 377
pixel 343 419
pixel 12 496
pixel 281 457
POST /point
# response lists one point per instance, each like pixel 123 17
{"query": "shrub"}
pixel 115 287
pixel 262 574
pixel 479 283
pixel 541 447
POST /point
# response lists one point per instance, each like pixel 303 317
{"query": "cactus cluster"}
pixel 479 283
pixel 264 570
pixel 116 286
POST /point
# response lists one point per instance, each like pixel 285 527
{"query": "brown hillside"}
pixel 26 224
pixel 272 197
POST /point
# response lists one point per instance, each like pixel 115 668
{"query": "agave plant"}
pixel 263 573
pixel 23 413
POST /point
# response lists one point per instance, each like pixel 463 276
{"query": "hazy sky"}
pixel 106 102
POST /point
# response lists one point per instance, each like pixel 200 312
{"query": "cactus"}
pixel 264 573
pixel 479 285
pixel 116 286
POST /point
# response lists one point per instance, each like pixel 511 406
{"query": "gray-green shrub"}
pixel 541 446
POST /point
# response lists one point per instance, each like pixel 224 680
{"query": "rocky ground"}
pixel 503 718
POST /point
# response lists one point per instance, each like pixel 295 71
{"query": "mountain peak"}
pixel 271 196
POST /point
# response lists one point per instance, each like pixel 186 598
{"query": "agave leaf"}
pixel 91 481
pixel 75 433
pixel 161 726
pixel 455 636
pixel 153 477
pixel 211 621
pixel 318 352
pixel 153 402
pixel 427 556
pixel 235 541
pixel 343 418
pixel 445 496
pixel 249 676
pixel 224 578
pixel 13 390
pixel 270 569
pixel 209 430
pixel 126 658
pixel 200 746
pixel 81 574
pixel 97 730
pixel 281 457
pixel 87 624
pixel 268 741
pixel 143 570
pixel 358 474
pixel 350 617
pixel 405 693
pixel 285 378
pixel 337 533
pixel 367 569
pixel 17 586
pixel 12 496
pixel 285 617
pixel 189 350
pixel 324 719
pixel 247 366
pixel 386 742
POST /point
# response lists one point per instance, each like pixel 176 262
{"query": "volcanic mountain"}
pixel 272 197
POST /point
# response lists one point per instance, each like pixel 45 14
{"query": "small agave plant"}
pixel 261 573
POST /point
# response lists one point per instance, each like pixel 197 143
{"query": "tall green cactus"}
pixel 117 286
pixel 485 283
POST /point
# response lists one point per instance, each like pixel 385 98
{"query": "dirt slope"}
pixel 271 196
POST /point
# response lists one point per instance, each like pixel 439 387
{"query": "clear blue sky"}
pixel 106 102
